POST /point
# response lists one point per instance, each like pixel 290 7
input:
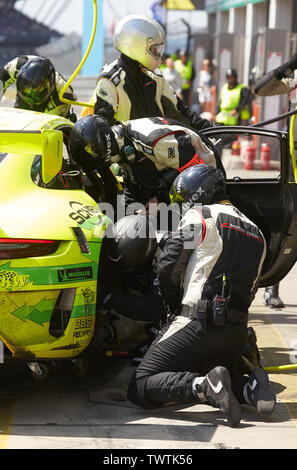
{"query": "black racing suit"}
pixel 125 90
pixel 209 243
pixel 138 297
pixel 127 299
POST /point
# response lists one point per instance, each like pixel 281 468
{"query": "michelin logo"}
pixel 76 274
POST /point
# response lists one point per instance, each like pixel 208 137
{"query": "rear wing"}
pixel 46 142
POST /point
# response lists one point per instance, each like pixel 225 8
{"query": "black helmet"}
pixel 92 142
pixel 198 184
pixel 231 73
pixel 132 243
pixel 36 80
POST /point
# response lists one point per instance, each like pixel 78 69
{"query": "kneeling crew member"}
pixel 208 290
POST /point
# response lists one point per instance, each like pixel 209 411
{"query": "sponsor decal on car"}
pixel 11 279
pixel 83 327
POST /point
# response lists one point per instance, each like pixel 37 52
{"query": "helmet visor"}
pixel 35 94
pixel 157 50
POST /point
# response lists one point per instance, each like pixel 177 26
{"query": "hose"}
pixel 77 70
pixel 280 368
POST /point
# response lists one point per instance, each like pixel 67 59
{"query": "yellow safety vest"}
pixel 185 71
pixel 229 100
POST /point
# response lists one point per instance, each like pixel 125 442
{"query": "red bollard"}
pixel 236 147
pixel 249 156
pixel 265 156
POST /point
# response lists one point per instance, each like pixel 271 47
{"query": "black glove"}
pixel 286 69
pixel 72 117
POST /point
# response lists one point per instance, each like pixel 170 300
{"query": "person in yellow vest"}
pixel 234 106
pixel 184 66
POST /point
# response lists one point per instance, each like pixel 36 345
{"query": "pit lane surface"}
pixel 66 412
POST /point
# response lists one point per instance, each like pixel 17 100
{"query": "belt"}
pixel 233 316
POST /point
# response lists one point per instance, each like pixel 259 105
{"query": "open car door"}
pixel 260 183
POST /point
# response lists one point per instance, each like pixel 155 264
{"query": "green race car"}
pixel 51 234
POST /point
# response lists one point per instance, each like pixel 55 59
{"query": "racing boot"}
pixel 258 393
pixel 215 389
pixel 271 297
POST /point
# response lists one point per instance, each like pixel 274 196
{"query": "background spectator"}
pixel 204 85
pixel 172 76
pixel 234 106
pixel 184 66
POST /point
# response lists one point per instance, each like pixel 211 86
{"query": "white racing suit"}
pixel 161 144
pixel 210 241
pixel 53 105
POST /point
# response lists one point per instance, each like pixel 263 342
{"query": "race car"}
pixel 51 234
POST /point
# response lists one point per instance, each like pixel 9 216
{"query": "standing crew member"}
pixel 278 82
pixel 38 85
pixel 234 102
pixel 133 86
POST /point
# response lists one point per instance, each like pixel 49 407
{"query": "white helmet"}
pixel 142 39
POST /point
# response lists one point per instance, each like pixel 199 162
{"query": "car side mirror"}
pixel 47 142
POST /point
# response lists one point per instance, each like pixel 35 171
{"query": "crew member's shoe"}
pixel 257 392
pixel 215 389
pixel 271 297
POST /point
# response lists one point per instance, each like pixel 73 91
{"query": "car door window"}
pixel 260 185
pixel 249 156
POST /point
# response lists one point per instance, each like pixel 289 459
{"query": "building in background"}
pixel 253 36
pixel 19 34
